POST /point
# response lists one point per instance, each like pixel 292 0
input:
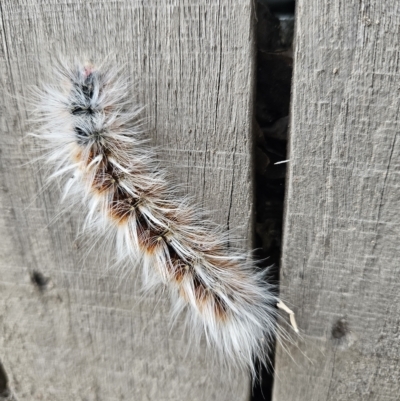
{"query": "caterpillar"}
pixel 92 138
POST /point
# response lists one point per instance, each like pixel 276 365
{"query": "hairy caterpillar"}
pixel 93 140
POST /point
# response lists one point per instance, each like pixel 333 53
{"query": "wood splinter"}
pixel 292 318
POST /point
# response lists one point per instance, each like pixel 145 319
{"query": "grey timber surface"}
pixel 87 334
pixel 341 254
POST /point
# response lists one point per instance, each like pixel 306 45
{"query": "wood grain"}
pixel 85 335
pixel 341 254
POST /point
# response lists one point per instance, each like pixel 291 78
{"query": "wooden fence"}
pixel 341 254
pixel 70 329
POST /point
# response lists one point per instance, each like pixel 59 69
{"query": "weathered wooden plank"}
pixel 340 263
pixel 86 336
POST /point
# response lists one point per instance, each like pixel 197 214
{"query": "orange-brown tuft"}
pixel 220 308
pixel 179 269
pixel 122 206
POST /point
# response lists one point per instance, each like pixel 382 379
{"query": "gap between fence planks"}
pixel 84 335
pixel 341 253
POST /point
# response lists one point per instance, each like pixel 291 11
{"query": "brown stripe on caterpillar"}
pixel 107 178
pixel 206 297
pixel 122 206
pixel 220 308
pixel 150 238
pixel 180 269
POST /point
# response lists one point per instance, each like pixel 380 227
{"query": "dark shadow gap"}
pixel 4 389
pixel 275 26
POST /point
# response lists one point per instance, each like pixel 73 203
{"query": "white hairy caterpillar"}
pixel 93 140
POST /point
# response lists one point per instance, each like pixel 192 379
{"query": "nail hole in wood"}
pixel 39 280
pixel 340 329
